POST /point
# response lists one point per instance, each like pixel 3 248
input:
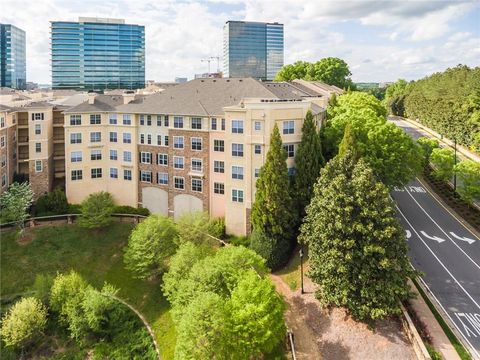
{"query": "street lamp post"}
pixel 455 163
pixel 301 267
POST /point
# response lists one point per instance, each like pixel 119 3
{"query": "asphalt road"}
pixel 446 252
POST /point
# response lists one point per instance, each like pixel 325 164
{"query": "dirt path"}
pixel 333 335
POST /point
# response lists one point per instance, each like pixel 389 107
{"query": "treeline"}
pixel 447 102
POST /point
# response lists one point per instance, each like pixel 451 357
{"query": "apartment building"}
pixel 8 146
pixel 196 146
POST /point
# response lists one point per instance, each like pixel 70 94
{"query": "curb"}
pixel 412 333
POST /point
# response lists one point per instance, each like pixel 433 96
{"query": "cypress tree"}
pixel 349 143
pixel 308 161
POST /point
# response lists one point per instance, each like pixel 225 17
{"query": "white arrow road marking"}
pixel 470 241
pixel 409 234
pixel 436 238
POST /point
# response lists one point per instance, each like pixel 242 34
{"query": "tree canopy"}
pixel 97 210
pixel 468 174
pixel 443 161
pixel 15 202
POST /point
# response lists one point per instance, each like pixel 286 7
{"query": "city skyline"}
pixel 381 41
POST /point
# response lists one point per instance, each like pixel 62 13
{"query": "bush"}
pixel 97 210
pixel 443 161
pixel 276 252
pixel 427 144
pixel 24 322
pixel 54 203
pixel 125 209
pixel 74 209
pixel 217 227
pixel 197 226
pixel 41 287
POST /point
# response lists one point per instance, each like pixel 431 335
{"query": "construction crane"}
pixel 207 60
pixel 218 62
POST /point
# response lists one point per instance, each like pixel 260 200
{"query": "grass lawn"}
pixel 97 256
pixel 290 274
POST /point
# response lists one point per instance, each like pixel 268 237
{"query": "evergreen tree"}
pixel 357 248
pixel 308 161
pixel 349 144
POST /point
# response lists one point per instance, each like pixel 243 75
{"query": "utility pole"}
pixel 301 268
pixel 207 60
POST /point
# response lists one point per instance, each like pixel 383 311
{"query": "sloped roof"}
pixel 102 103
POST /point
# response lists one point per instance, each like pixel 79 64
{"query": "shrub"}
pixel 427 144
pixel 41 287
pixel 54 203
pixel 443 161
pixel 24 322
pixel 197 226
pixel 125 209
pixel 276 252
pixel 97 210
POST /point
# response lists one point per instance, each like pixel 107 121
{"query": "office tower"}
pixel 97 54
pixel 252 49
pixel 13 63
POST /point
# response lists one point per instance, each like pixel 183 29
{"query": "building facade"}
pixel 253 49
pixel 13 61
pixel 97 54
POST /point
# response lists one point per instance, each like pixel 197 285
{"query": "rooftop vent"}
pixel 228 80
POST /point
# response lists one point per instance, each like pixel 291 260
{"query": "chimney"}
pixel 91 98
pixel 128 96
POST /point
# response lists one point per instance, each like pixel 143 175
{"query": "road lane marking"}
pixel 436 257
pixel 472 321
pixel 436 238
pixel 408 233
pixel 426 213
pixel 470 241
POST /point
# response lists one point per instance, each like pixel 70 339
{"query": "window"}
pixel 196 123
pixel 149 120
pixel 112 119
pixel 162 159
pixel 179 182
pixel 237 195
pixel 258 126
pixel 96 173
pixel 113 155
pixel 4 160
pixel 213 124
pixel 76 156
pixel 197 185
pixel 38 147
pixel 159 139
pixel 2 141
pixel 196 143
pixel 223 124
pixel 38 116
pixel 159 120
pixel 166 140
pixel 258 149
pixel 75 120
pixel 288 127
pixel 75 138
pixel 95 119
pixel 162 178
pixel 237 172
pixel 2 122
pixel 146 176
pixel 145 157
pixel 290 149
pixel 166 120
pixel 95 137
pixel 127 174
pixel 178 122
pixel 38 129
pixel 127 156
pixel 142 119
pixel 4 180
pixel 178 162
pixel 38 166
pixel 257 172
pixel 127 138
pixel 114 173
pixel 237 126
pixel 113 136
pixel 96 155
pixel 127 119
pixel 149 139
pixel 218 166
pixel 76 175
pixel 178 142
pixel 219 145
pixel 197 165
pixel 142 138
pixel 219 188
pixel 291 172
pixel 237 149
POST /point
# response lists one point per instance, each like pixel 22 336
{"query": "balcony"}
pixel 58 135
pixel 23 155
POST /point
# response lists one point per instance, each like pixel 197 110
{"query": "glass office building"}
pixel 13 61
pixel 252 49
pixel 97 54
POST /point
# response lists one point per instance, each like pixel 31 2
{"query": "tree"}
pixel 427 144
pixel 97 210
pixel 150 246
pixel 395 97
pixel 349 144
pixel 297 70
pixel 257 322
pixel 308 161
pixel 468 173
pixel 357 248
pixel 54 203
pixel 272 210
pixel 199 228
pixel 443 161
pixel 41 287
pixel 24 322
pixel 14 204
pixel 202 330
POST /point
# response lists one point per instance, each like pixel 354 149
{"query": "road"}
pixel 446 252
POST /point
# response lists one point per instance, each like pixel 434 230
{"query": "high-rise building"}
pixel 252 49
pixel 13 63
pixel 97 54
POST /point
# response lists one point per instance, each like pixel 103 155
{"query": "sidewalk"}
pixel 440 341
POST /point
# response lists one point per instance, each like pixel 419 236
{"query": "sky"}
pixel 381 40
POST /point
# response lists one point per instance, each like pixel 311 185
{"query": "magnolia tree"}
pixel 14 204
